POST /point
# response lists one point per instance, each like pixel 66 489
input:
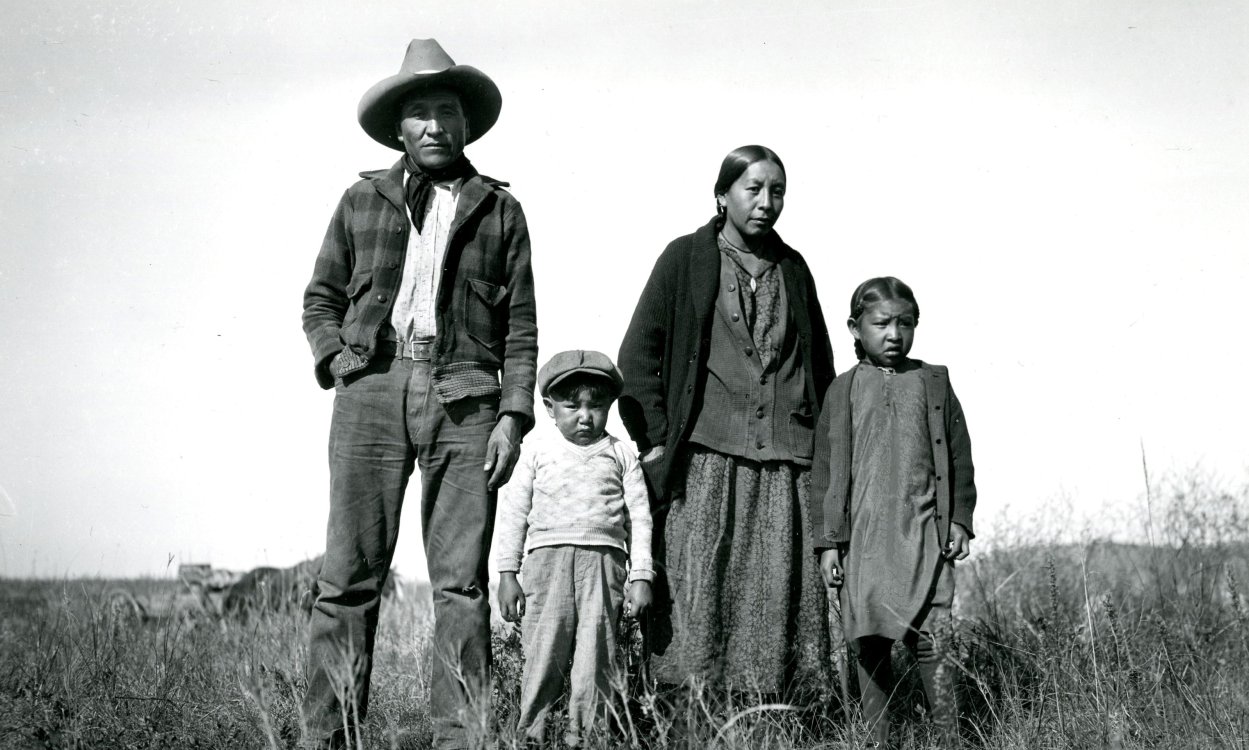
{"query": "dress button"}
pixel 749 351
pixel 759 412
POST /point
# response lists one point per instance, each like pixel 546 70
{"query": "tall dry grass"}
pixel 1062 641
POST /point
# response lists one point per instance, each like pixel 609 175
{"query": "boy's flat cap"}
pixel 579 360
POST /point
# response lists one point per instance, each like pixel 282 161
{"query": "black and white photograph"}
pixel 550 374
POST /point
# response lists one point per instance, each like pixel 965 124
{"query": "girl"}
pixel 892 500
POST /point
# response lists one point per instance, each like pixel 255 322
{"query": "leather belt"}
pixel 420 350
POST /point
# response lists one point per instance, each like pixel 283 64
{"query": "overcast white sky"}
pixel 1063 183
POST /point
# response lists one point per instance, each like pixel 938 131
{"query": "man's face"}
pixel 433 128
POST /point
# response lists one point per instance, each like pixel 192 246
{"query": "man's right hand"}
pixel 511 597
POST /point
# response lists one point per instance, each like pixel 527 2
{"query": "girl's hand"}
pixel 511 598
pixel 959 545
pixel 637 599
pixel 830 568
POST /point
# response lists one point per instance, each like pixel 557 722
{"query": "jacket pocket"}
pixel 485 314
pixel 359 284
pixel 802 431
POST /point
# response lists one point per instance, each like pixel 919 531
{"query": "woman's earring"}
pixel 719 209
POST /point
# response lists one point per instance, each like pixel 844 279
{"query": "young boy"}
pixel 577 506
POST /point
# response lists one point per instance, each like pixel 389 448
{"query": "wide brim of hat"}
pixel 480 97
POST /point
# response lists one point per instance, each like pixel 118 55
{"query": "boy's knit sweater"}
pixel 564 493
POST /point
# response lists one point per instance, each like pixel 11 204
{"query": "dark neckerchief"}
pixel 421 184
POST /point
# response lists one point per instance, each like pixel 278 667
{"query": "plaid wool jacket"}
pixel 485 311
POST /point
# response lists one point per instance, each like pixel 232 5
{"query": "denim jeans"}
pixel 572 599
pixel 387 420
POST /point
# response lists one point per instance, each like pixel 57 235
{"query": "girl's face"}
pixel 753 203
pixel 886 330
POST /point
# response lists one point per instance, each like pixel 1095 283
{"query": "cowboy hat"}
pixel 426 65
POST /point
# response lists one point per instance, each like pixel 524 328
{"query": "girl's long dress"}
pixel 897 582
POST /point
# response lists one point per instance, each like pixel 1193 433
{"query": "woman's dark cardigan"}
pixel 664 353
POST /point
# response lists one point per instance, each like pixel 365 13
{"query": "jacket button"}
pixel 938 478
pixel 393 264
pixel 749 351
pixel 759 412
pixel 938 408
pixel 938 441
pixel 759 444
pixel 763 380
pixel 735 317
pixel 381 298
pixel 689 389
pixel 398 230
pixel 732 288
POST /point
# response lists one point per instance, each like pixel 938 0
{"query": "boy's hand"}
pixel 511 598
pixel 637 599
pixel 959 545
pixel 830 568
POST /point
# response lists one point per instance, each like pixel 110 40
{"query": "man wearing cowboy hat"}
pixel 421 316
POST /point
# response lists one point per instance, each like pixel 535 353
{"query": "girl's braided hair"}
pixel 878 289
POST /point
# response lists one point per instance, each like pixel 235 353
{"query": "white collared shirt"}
pixel 413 314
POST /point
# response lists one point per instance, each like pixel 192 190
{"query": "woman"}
pixel 725 362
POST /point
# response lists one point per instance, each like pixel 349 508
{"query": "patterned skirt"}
pixel 747 611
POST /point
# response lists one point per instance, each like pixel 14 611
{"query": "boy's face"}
pixel 886 329
pixel 580 417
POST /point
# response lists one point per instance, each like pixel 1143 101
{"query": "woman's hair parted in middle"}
pixel 738 161
pixel 876 290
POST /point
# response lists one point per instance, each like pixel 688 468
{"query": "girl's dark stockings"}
pixel 876 685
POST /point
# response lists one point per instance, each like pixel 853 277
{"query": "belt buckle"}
pixel 417 349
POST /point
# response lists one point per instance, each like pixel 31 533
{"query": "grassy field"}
pixel 1059 644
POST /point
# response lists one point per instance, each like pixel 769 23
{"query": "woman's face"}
pixel 753 203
